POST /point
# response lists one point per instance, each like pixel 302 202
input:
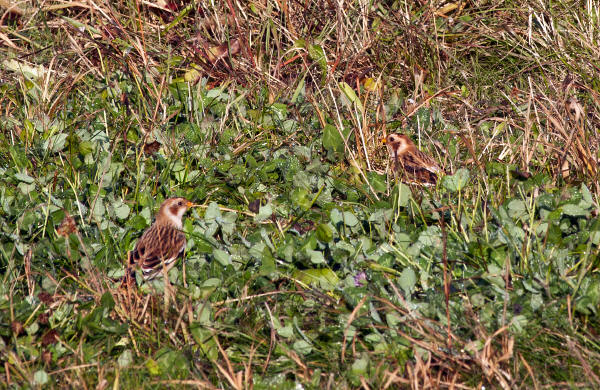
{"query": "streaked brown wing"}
pixel 419 167
pixel 418 158
pixel 159 245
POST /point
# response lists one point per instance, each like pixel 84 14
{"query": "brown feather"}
pixel 163 242
pixel 159 246
pixel 414 165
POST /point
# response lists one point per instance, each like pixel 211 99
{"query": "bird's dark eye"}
pixel 180 203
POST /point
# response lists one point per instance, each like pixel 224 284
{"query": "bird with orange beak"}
pixel 414 166
pixel 164 242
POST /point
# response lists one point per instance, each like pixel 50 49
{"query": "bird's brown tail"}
pixel 129 279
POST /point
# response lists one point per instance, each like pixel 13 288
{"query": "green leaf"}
pixel 336 217
pixel 209 286
pixel 40 377
pixel 317 54
pixel 350 219
pixel 153 367
pixel 351 95
pixel 324 233
pixel 316 257
pixel 205 340
pixel 121 210
pixel 212 212
pixel 300 198
pixel 125 358
pixel 377 181
pixel 99 209
pixel 264 212
pixel 55 143
pixel 457 181
pixel 402 194
pixel 302 347
pixel 324 277
pixel 172 362
pixel 300 43
pixel 407 280
pixel 222 257
pixel 25 178
pixel 332 139
pixel 573 210
pixel 285 331
pixel 359 367
pixel 517 208
pixel 432 236
pixel 86 147
pixel 518 323
pixel 587 200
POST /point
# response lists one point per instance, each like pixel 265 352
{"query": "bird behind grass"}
pixel 161 244
pixel 414 166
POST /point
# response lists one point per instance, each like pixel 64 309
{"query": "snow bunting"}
pixel 163 242
pixel 414 165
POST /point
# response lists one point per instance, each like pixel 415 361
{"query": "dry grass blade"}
pixel 349 322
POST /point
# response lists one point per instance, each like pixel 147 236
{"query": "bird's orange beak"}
pixel 383 141
pixel 190 205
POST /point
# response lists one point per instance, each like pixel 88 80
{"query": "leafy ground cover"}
pixel 307 265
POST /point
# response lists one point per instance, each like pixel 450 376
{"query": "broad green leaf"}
pixel 121 210
pixel 285 331
pixel 204 313
pixel 432 236
pixel 25 178
pixel 264 212
pixel 351 95
pixel 595 237
pixel 332 139
pixel 172 362
pixel 377 181
pixel 403 240
pixel 299 197
pixel 227 223
pixel 573 210
pixel 209 286
pixel 393 319
pixel 324 233
pixel 350 219
pixel 212 212
pixel 517 208
pixel 55 143
pixel 153 367
pixel 316 257
pixel 324 277
pixel 402 194
pixel 40 378
pixel 99 209
pixel 204 337
pixel 587 200
pixel 300 43
pixel 336 216
pixel 125 358
pixel 457 181
pixel 302 347
pixel 407 280
pixel 518 323
pixel 360 366
pixel 317 54
pixel 222 257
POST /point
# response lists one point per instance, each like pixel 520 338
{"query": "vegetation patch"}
pixel 310 263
